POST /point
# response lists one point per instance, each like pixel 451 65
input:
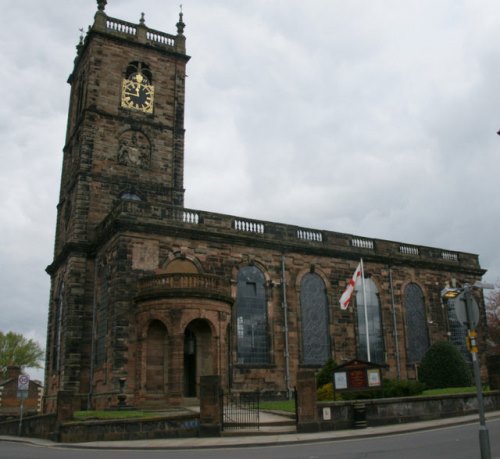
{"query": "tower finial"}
pixel 79 46
pixel 101 4
pixel 180 25
pixel 141 21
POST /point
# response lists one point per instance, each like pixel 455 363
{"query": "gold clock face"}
pixel 137 94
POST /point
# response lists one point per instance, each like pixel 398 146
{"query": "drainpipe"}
pixel 394 325
pixel 285 318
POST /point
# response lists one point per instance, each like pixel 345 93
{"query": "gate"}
pixel 240 411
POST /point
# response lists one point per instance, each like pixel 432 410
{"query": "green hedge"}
pixel 444 366
pixel 390 388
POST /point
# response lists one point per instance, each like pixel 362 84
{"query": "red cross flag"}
pixel 347 295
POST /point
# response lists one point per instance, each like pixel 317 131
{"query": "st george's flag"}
pixel 347 295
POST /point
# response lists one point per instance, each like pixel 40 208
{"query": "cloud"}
pixel 373 118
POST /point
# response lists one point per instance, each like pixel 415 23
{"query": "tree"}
pixel 493 318
pixel 325 375
pixel 444 366
pixel 15 349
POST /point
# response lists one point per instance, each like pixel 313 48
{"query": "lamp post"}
pixel 467 312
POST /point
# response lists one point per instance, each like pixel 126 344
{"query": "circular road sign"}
pixel 23 382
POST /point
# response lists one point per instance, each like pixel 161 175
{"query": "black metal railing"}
pixel 240 411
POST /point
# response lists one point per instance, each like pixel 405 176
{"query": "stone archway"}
pixel 199 355
pixel 156 357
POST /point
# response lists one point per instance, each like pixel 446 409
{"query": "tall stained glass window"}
pixel 375 332
pixel 458 332
pixel 251 317
pixel 417 337
pixel 314 320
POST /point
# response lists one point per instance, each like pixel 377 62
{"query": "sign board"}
pixel 461 311
pixel 340 380
pixel 357 375
pixel 374 377
pixel 357 379
pixel 23 383
pixel 22 394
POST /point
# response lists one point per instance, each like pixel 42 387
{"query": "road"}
pixel 458 442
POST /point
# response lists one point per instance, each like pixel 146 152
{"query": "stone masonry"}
pixel 146 290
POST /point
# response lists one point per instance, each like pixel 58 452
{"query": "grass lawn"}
pixel 279 405
pixel 451 390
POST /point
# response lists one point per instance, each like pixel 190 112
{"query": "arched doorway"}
pixel 156 357
pixel 199 355
pixel 189 363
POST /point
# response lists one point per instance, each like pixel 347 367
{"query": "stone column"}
pixel 210 406
pixel 64 406
pixel 307 410
pixel 176 370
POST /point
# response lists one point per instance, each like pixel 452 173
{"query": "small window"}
pixel 130 196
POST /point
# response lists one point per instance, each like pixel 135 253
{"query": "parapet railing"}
pixel 137 31
pixel 119 26
pixel 159 214
pixel 177 282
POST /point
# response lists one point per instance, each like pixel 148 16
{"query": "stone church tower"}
pixel 150 292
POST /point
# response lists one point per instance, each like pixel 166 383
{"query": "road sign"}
pixel 471 341
pixel 461 311
pixel 23 382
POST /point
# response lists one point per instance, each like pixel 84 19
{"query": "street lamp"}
pixel 467 312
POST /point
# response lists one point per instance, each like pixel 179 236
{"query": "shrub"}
pixel 444 366
pixel 325 375
pixel 325 393
pixel 402 388
pixel 391 388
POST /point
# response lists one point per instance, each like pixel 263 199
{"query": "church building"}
pixel 153 294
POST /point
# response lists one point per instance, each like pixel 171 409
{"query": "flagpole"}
pixel 367 333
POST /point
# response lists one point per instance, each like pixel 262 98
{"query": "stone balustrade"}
pixel 183 284
pixel 264 232
pixel 138 32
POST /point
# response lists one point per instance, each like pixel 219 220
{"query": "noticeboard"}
pixel 357 375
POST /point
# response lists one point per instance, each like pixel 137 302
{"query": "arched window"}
pixel 130 196
pixel 251 317
pixel 139 68
pixel 417 337
pixel 314 320
pixel 458 333
pixel 373 313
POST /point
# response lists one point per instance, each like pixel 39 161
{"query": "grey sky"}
pixel 376 118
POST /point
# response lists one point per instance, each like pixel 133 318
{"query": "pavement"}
pixel 267 436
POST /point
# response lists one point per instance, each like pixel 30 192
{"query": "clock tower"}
pixel 124 142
